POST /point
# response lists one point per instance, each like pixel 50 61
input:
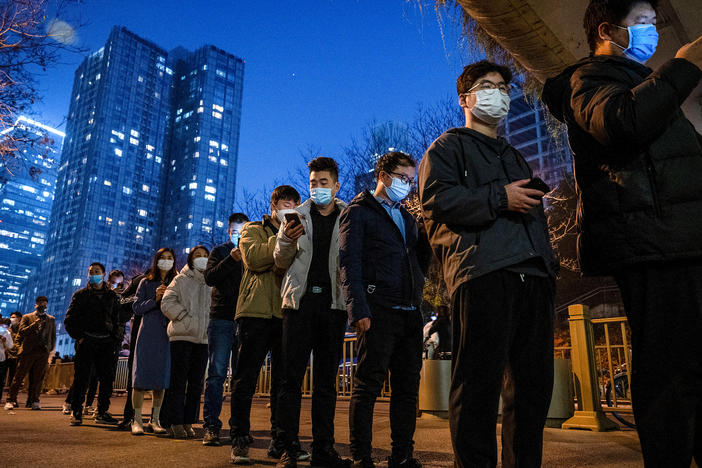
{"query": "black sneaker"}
pixel 365 462
pixel 328 457
pixel 106 418
pixel 288 460
pixel 408 462
pixel 275 449
pixel 76 418
pixel 211 438
pixel 240 450
pixel 125 425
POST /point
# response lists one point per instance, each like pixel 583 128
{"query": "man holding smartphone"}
pixel 314 318
pixel 489 230
pixel 223 273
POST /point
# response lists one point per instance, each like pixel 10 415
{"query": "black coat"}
pixel 637 160
pixel 462 181
pixel 92 314
pixel 223 273
pixel 377 266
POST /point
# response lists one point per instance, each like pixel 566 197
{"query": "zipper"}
pixel 651 173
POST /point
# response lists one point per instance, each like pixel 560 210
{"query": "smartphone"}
pixel 538 184
pixel 293 218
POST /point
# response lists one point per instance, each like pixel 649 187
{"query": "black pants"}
pixel 663 305
pixel 128 413
pixel 257 337
pixel 501 319
pixel 92 387
pixel 33 363
pixel 393 342
pixel 318 328
pixel 7 369
pixel 182 402
pixel 100 354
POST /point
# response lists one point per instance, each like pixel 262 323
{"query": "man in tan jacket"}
pixel 258 314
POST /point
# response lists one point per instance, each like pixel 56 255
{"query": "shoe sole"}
pixel 211 444
pixel 137 433
pixel 108 423
pixel 76 423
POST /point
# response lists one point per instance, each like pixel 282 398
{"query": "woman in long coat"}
pixel 152 359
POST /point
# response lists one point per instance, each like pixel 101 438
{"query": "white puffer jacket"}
pixel 186 303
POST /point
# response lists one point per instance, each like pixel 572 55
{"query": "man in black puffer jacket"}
pixel 383 257
pixel 638 167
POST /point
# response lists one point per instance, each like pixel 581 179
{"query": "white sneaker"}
pixel 157 428
pixel 66 408
pixel 137 428
pixel 9 406
pixel 88 411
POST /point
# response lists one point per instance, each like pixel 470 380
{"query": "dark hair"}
pixel 322 163
pixel 102 267
pixel 607 11
pixel 114 273
pixel 443 311
pixel 475 71
pixel 192 251
pixel 16 313
pixel 41 298
pixel 389 162
pixel 238 218
pixel 154 273
pixel 284 192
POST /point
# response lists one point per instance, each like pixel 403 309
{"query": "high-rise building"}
pixel 26 195
pixel 149 160
pixel 206 112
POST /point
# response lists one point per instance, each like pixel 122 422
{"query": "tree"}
pixel 29 44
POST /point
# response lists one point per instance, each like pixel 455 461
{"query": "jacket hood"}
pixel 499 144
pixel 193 273
pixel 557 90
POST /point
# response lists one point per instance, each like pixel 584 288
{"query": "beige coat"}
pixel 296 257
pixel 186 303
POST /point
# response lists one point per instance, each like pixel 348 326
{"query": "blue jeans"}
pixel 222 344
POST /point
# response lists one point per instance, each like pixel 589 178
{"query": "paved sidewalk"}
pixel 44 438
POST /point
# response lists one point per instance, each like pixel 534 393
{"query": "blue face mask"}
pixel 235 236
pixel 95 279
pixel 398 190
pixel 643 40
pixel 321 196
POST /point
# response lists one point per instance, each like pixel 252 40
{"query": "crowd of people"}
pixel 289 284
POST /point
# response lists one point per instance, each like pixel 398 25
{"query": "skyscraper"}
pixel 130 148
pixel 26 195
pixel 206 112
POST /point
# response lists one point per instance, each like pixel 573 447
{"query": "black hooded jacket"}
pixel 462 181
pixel 637 160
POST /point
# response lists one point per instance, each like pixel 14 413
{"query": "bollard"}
pixel 589 415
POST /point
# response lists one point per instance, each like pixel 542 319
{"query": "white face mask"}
pixel 491 105
pixel 200 263
pixel 165 265
pixel 280 214
pixel 14 320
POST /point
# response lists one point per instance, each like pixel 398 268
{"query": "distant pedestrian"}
pixel 152 360
pixel 6 346
pixel 9 367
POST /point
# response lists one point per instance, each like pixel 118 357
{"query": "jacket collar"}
pixel 305 208
pixel 193 273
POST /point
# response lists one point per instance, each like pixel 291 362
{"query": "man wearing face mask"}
pixel 489 230
pixel 383 258
pixel 223 273
pixel 9 367
pixel 93 319
pixel 638 165
pixel 313 314
pixel 36 340
pixel 258 316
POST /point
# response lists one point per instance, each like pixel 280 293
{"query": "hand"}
pixel 236 254
pixel 692 52
pixel 159 292
pixel 293 231
pixel 520 198
pixel 363 325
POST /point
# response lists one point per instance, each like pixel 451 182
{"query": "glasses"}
pixel 485 85
pixel 404 178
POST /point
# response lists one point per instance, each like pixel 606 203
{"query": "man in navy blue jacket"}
pixel 383 259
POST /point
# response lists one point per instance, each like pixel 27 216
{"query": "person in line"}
pixel 638 165
pixel 9 367
pixel 314 318
pixel 489 230
pixel 223 274
pixel 258 313
pixel 128 297
pixel 152 356
pixel 6 347
pixel 92 319
pixel 186 303
pixel 383 260
pixel 36 340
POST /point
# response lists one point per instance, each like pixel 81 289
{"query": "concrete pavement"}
pixel 44 438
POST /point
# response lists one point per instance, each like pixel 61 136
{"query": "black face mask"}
pixel 41 309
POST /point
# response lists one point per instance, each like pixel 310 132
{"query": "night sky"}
pixel 316 71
